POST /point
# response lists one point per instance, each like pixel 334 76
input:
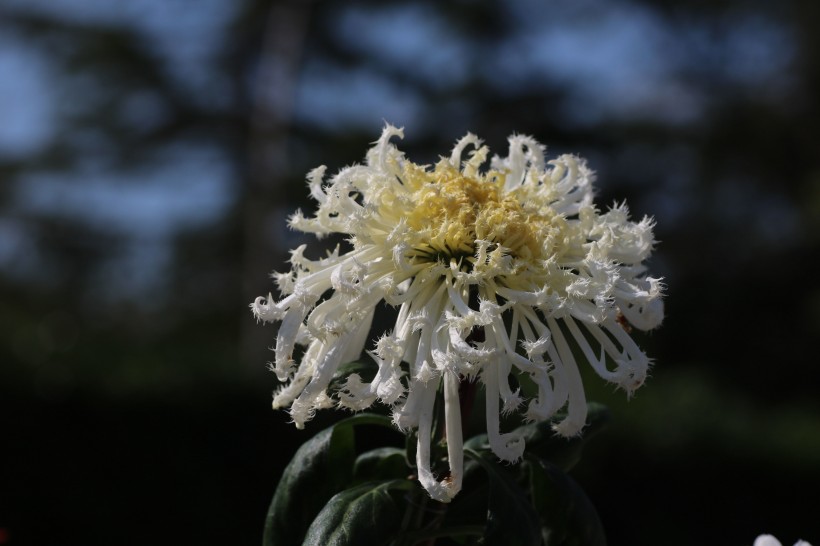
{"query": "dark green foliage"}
pixel 320 468
pixel 365 514
pixel 381 463
pixel 565 512
pixel 511 518
pixel 330 496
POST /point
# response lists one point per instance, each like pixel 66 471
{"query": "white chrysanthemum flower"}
pixel 769 540
pixel 493 272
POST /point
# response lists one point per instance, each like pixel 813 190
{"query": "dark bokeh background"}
pixel 150 151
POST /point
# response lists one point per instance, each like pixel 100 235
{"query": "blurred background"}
pixel 151 150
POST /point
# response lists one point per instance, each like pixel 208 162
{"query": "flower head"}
pixel 492 271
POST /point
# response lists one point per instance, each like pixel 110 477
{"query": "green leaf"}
pixel 365 514
pixel 511 518
pixel 479 443
pixel 544 443
pixel 457 533
pixel 384 463
pixel 321 467
pixel 568 518
pixel 469 507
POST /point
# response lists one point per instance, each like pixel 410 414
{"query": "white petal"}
pixel 507 447
pixel 577 403
pixel 441 491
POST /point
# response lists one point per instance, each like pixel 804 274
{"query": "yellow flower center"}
pixel 454 211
